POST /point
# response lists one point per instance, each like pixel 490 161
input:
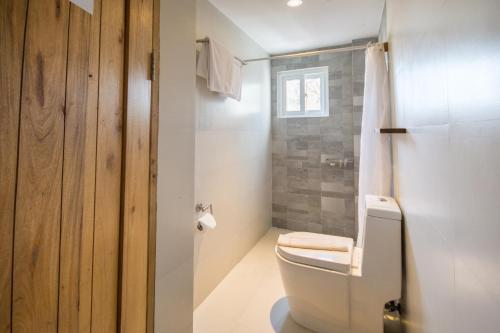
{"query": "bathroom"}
pixel 259 171
pixel 266 166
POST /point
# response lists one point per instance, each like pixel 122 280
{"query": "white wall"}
pixel 174 267
pixel 445 72
pixel 233 157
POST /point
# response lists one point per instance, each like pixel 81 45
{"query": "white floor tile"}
pixel 251 297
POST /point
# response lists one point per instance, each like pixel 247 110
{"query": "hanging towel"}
pixel 312 243
pixel 221 70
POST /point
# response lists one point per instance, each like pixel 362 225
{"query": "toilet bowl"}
pixel 345 292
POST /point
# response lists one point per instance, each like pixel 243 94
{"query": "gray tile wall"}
pixel 308 193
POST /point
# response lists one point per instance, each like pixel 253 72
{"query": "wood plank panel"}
pixel 153 170
pixel 72 260
pixel 136 179
pixel 87 249
pixel 12 28
pixel 108 167
pixel 38 202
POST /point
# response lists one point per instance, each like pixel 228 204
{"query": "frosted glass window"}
pixel 313 94
pixel 293 96
pixel 303 93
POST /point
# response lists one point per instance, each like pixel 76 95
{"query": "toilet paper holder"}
pixel 201 208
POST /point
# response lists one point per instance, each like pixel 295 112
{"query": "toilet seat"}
pixel 331 260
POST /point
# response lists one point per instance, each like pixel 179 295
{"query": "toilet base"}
pixel 322 301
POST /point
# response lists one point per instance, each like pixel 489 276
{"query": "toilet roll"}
pixel 207 221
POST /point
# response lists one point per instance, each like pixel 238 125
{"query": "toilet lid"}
pixel 332 260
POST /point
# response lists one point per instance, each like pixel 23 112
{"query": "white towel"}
pixel 221 70
pixel 304 242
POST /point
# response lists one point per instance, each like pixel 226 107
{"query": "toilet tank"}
pixel 382 207
pixel 382 262
pixel 376 206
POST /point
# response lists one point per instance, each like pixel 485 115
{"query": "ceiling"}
pixel 317 23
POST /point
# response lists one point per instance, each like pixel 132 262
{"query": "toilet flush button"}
pixel 382 199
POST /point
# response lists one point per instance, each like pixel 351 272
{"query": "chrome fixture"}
pixel 302 54
pixel 201 208
pixel 341 164
pixel 207 40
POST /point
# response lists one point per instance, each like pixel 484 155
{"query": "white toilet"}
pixel 345 292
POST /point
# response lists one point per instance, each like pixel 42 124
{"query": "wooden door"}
pixel 136 167
pixel 75 166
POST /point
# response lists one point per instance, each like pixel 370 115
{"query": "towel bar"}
pixel 206 40
pixel 391 130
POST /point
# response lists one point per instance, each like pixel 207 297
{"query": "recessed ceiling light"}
pixel 294 3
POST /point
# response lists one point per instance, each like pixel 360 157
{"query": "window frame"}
pixel 302 74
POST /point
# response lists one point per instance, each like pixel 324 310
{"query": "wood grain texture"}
pixel 87 240
pixel 72 258
pixel 153 170
pixel 66 199
pixel 12 28
pixel 136 180
pixel 108 167
pixel 38 202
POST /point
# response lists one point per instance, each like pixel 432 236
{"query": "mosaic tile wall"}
pixel 308 193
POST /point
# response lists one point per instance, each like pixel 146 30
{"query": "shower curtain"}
pixel 375 156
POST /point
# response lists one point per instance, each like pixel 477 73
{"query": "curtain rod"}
pixel 311 53
pixel 304 54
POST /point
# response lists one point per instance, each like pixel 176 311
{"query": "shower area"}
pixel 315 160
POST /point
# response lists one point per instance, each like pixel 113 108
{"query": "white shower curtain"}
pixel 375 155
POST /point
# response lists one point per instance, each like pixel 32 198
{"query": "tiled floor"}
pixel 251 298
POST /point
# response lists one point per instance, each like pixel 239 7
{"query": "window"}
pixel 303 93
